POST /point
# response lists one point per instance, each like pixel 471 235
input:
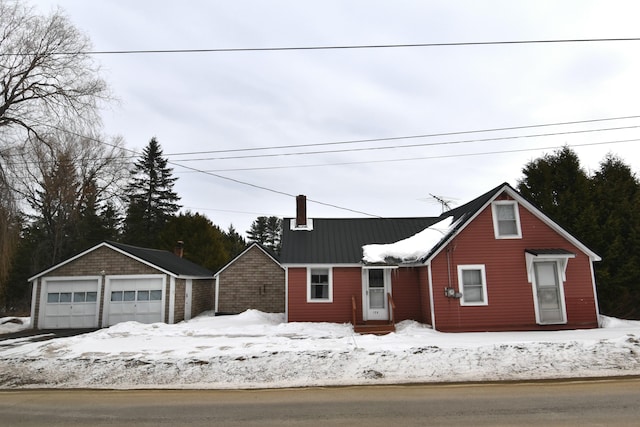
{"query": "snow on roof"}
pixel 410 249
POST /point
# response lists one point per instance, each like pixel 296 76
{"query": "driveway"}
pixel 35 335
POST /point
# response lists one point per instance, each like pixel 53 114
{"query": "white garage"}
pixel 70 302
pixel 134 298
pixel 114 282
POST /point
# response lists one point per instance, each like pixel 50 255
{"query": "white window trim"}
pixel 494 214
pixel 483 275
pixel 330 293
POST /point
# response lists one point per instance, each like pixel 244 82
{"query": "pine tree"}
pixel 151 199
pixel 234 242
pixel 266 231
pixel 204 242
pixel 558 185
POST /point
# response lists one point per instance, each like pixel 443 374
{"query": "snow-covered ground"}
pixel 256 349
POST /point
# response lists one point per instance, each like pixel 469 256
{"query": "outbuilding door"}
pixel 69 303
pixel 137 299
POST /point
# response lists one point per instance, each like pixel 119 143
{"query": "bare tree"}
pixel 48 81
pixel 47 76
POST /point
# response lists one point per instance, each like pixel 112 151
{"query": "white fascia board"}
pixel 68 261
pixel 553 225
pixel 323 264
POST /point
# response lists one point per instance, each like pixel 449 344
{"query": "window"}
pixel 473 284
pixel 506 220
pixel 319 287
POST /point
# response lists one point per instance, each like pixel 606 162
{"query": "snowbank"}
pixel 9 325
pixel 259 350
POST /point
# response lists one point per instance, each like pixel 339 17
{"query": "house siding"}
pixel 347 282
pixel 424 296
pixel 202 296
pixel 253 281
pixel 510 294
pixel 405 285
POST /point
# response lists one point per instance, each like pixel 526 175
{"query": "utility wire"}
pixel 395 138
pixel 335 47
pixel 135 154
pixel 237 181
pixel 408 159
pixel 394 147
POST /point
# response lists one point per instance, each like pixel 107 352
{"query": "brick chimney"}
pixel 301 211
pixel 179 248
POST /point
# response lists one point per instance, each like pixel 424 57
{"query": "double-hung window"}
pixel 506 219
pixel 473 285
pixel 319 286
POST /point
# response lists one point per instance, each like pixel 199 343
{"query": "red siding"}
pixel 405 285
pixel 510 295
pixel 425 298
pixel 347 281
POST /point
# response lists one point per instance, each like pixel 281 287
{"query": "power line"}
pixel 335 47
pixel 408 159
pixel 237 181
pixel 393 147
pixel 396 138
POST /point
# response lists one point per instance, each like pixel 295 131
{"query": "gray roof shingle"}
pixel 165 260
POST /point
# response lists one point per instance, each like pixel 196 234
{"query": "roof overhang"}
pixel 562 256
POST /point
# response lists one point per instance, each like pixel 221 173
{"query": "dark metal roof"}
pixel 340 240
pixel 165 260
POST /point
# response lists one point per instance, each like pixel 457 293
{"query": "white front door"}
pixel 376 287
pixel 549 296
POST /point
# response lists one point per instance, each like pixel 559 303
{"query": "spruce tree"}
pixel 151 199
pixel 266 231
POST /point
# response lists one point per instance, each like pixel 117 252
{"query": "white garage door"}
pixel 70 303
pixel 137 299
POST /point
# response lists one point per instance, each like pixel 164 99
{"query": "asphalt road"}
pixel 581 403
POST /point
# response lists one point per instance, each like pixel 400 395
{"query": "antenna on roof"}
pixel 444 203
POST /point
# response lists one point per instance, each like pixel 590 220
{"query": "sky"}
pixel 201 106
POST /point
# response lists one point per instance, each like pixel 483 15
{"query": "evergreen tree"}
pixel 558 185
pixel 151 199
pixel 204 242
pixel 616 194
pixel 267 231
pixel 234 242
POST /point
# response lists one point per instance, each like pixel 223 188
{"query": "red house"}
pixel 496 263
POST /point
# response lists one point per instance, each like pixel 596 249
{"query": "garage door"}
pixel 70 303
pixel 137 300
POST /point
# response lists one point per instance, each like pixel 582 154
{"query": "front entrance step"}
pixel 374 328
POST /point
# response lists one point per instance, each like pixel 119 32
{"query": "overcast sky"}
pixel 199 104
